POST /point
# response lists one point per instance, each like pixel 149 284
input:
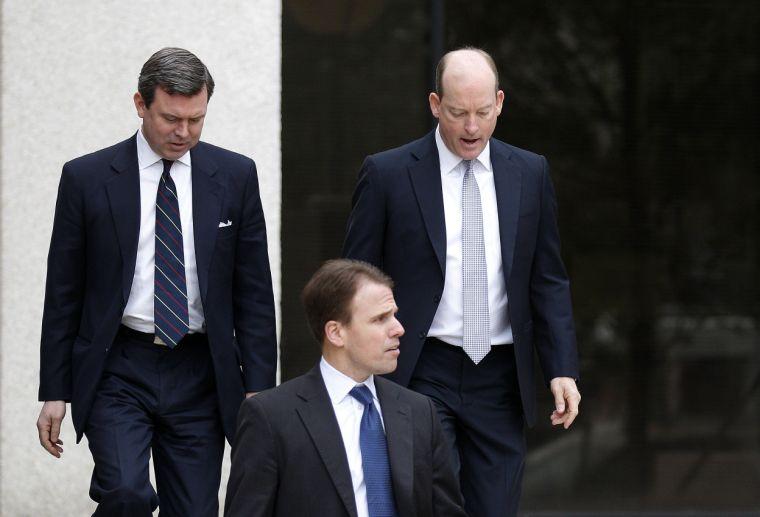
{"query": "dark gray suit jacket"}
pixel 288 457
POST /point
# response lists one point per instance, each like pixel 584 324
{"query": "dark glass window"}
pixel 648 113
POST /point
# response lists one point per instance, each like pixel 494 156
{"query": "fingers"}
pixel 48 429
pixel 55 431
pixel 573 401
pixel 559 401
pixel 43 430
pixel 566 399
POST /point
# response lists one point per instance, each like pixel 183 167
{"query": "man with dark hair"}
pixel 340 441
pixel 466 226
pixel 158 258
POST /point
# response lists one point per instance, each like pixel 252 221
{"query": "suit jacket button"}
pixel 423 334
pixel 436 298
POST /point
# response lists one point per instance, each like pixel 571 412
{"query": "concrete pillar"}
pixel 69 70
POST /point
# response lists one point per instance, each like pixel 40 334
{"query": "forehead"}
pixel 468 74
pixel 178 102
pixel 372 297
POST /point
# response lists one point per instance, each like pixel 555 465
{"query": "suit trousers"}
pixel 481 414
pixel 153 398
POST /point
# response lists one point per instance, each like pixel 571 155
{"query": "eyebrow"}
pixel 481 108
pixel 392 310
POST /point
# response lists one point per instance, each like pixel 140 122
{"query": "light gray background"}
pixel 69 69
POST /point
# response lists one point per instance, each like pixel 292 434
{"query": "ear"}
pixel 334 333
pixel 435 104
pixel 499 101
pixel 140 105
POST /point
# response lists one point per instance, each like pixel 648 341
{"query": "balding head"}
pixel 464 60
pixel 472 102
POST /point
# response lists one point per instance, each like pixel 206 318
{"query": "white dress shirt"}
pixel 138 314
pixel 348 412
pixel 448 323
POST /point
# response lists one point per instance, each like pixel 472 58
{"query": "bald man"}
pixel 466 226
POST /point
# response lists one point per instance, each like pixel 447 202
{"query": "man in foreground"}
pixel 158 254
pixel 340 441
pixel 466 226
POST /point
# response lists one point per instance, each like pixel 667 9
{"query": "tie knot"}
pixel 362 394
pixel 467 166
pixel 167 166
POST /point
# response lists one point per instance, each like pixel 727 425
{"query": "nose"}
pixel 398 329
pixel 470 125
pixel 181 129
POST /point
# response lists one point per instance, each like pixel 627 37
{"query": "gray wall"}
pixel 69 71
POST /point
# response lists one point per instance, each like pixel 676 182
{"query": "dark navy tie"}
pixel 377 470
pixel 170 290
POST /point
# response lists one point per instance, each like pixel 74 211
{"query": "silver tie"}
pixel 477 325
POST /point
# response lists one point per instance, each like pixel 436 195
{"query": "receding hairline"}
pixel 443 63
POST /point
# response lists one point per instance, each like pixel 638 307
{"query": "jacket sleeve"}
pixel 64 290
pixel 254 316
pixel 252 486
pixel 365 232
pixel 554 330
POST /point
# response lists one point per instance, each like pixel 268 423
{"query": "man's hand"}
pixel 250 394
pixel 566 401
pixel 49 426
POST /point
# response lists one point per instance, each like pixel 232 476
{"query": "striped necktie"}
pixel 476 340
pixel 170 288
pixel 375 463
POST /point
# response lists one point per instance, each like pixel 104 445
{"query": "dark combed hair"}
pixel 330 291
pixel 176 71
pixel 442 67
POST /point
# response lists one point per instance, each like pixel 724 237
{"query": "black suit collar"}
pixel 123 190
pixel 507 179
pixel 318 417
pixel 425 176
pixel 397 418
pixel 208 194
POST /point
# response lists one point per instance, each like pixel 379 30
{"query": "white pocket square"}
pixel 223 224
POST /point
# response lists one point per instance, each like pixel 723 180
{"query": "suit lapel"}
pixel 398 432
pixel 207 203
pixel 318 416
pixel 425 175
pixel 123 191
pixel 507 179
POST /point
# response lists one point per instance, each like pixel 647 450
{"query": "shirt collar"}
pixel 146 156
pixel 450 161
pixel 338 384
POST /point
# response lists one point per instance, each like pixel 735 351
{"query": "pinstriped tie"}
pixel 170 290
pixel 476 340
pixel 375 463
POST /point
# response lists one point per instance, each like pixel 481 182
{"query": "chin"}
pixel 388 368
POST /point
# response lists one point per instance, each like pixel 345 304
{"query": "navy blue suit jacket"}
pixel 92 260
pixel 289 460
pixel 398 224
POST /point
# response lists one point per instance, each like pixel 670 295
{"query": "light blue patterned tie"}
pixel 170 312
pixel 375 464
pixel 476 340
